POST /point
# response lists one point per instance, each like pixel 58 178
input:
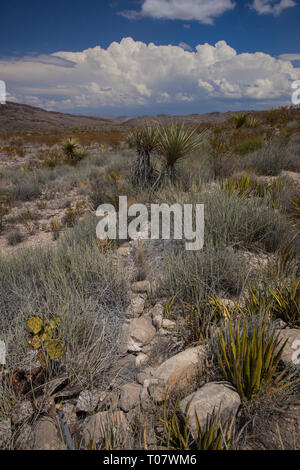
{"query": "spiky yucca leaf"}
pixel 176 142
pixel 286 302
pixel 248 357
pixel 69 146
pixel 239 119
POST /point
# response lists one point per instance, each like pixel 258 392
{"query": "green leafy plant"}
pixel 248 357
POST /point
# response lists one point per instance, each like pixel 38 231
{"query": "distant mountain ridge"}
pixel 18 117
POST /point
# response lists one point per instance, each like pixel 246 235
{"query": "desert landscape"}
pixel 149 231
pixel 140 344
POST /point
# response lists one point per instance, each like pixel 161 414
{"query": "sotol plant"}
pixel 248 357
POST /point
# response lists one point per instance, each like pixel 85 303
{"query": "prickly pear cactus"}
pixel 45 336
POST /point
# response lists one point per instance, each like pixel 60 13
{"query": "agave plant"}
pixel 145 141
pixel 248 357
pixel 176 142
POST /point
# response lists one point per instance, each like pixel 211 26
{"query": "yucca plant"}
pixel 144 140
pixel 214 435
pixel 71 151
pixel 252 122
pixel 176 142
pixel 248 356
pixel 70 146
pixel 239 120
pixel 286 302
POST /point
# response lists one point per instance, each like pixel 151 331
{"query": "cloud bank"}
pixel 134 75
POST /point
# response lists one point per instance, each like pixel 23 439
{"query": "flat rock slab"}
pixel 212 397
pixel 291 351
pixel 176 373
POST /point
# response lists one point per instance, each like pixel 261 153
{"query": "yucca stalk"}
pixel 248 357
pixel 176 142
pixel 145 141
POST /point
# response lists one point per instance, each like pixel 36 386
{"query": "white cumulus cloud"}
pixel 204 11
pixel 273 7
pixel 135 75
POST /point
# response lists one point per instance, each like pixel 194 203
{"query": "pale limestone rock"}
pixel 212 397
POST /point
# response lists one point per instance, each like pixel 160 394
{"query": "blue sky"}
pixel 107 57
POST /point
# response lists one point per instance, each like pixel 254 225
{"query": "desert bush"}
pixel 248 355
pixel 26 189
pixel 194 276
pixel 15 237
pixel 87 289
pixel 248 223
pixel 249 145
pixel 270 160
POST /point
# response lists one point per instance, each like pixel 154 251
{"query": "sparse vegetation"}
pixel 230 299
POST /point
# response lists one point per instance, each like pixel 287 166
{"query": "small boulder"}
pixel 166 323
pixel 142 330
pixel 95 427
pixel 46 436
pixel 291 351
pixel 5 433
pixel 87 401
pixel 141 286
pixel 136 307
pixel 177 372
pixel 157 321
pixel 22 412
pixel 212 397
pixel 141 360
pixel 129 397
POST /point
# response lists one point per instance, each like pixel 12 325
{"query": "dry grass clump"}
pixel 84 287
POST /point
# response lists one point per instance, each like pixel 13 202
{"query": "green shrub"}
pixel 249 145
